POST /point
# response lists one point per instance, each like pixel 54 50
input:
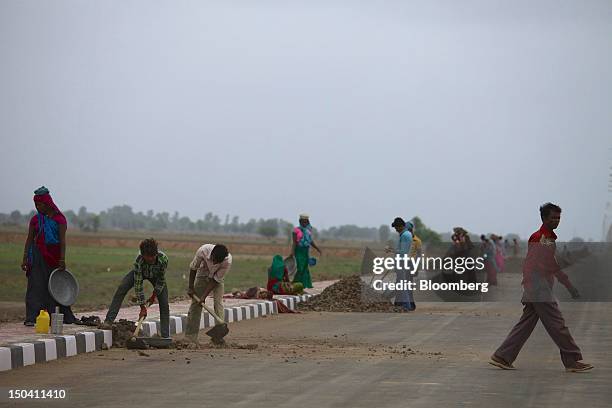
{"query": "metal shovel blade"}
pixel 218 332
pixel 158 342
pixel 144 343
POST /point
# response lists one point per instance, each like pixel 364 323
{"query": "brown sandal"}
pixel 579 367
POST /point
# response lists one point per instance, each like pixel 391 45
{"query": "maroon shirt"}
pixel 540 263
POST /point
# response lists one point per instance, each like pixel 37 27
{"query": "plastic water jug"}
pixel 42 322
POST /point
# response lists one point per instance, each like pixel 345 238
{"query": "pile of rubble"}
pixel 123 330
pixel 349 294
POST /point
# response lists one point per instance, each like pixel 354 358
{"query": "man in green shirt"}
pixel 151 265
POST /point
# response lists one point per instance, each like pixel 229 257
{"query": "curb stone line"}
pixel 31 352
pixel 231 314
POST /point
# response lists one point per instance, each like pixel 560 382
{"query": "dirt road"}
pixel 435 357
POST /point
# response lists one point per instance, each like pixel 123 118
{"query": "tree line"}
pixel 123 217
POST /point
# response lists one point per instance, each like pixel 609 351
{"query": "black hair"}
pixel 148 247
pixel 547 208
pixel 219 253
pixel 398 222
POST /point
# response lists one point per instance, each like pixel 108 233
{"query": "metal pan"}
pixel 63 287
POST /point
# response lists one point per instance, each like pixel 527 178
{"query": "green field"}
pixel 99 271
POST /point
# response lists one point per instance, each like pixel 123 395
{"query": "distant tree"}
pixel 82 214
pixel 15 217
pixel 422 231
pixel 95 223
pixel 250 227
pixel 350 232
pixel 288 231
pixel 383 233
pixel 268 228
pixel 216 223
pixel 71 217
pixel 235 225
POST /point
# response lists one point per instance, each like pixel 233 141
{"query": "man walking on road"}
pixel 539 270
pixel 207 272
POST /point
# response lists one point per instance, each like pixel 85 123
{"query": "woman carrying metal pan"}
pixel 44 251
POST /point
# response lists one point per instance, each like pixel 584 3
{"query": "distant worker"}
pixel 403 298
pixel 416 249
pixel 500 255
pixel 489 252
pixel 206 274
pixel 539 272
pixel 302 241
pixel 150 264
pixel 515 247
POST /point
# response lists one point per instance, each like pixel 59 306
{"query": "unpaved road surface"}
pixel 432 358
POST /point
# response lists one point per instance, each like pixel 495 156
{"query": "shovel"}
pixel 143 343
pixel 220 330
pixel 136 342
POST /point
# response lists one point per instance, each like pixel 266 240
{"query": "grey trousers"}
pixel 128 283
pixel 552 319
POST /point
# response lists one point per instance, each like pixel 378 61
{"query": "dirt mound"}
pixel 92 320
pixel 122 332
pixel 349 295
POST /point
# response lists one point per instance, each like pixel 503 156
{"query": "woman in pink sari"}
pixel 44 251
pixel 500 256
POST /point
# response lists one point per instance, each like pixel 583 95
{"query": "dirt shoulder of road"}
pixel 272 338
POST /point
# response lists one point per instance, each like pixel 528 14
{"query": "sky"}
pixel 468 113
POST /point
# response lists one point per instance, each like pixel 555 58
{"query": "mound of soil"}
pixel 92 320
pixel 349 295
pixel 122 332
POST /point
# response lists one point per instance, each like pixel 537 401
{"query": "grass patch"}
pixel 100 270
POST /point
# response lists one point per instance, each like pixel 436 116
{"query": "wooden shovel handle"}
pixel 138 326
pixel 212 313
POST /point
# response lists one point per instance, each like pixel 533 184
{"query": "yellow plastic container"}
pixel 43 322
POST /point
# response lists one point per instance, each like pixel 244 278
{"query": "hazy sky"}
pixel 467 113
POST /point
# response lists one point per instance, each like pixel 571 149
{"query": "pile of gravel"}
pixel 349 295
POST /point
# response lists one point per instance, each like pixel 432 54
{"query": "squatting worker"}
pixel 539 270
pixel 403 298
pixel 151 265
pixel 207 272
